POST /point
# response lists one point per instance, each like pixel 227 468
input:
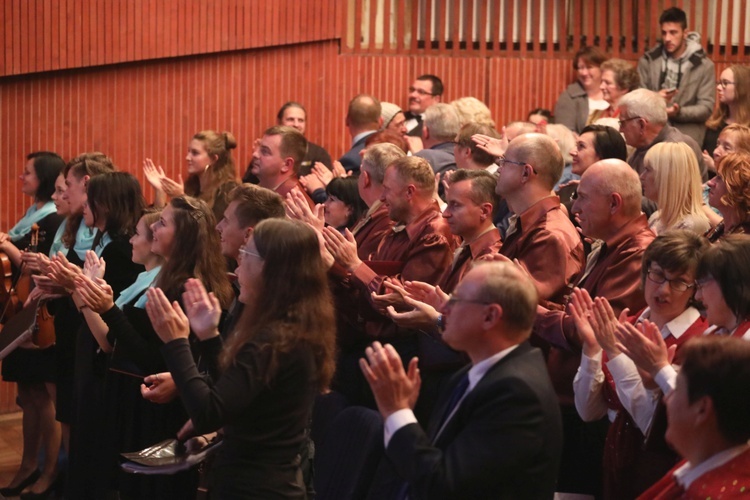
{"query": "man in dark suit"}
pixel 497 434
pixel 423 93
pixel 362 119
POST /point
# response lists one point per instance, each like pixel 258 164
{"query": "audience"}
pixel 618 78
pixel 708 423
pixel 293 114
pixel 679 70
pixel 729 193
pixel 671 178
pixel 439 129
pixel 393 118
pixel 362 120
pixel 499 411
pixel 734 104
pixel 376 270
pixel 643 122
pixel 582 102
pixel 211 172
pixel 596 142
pixel 423 93
pixel 608 383
pixel 472 110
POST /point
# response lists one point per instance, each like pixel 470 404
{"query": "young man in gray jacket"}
pixel 680 71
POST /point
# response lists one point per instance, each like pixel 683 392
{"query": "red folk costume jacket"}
pixel 632 462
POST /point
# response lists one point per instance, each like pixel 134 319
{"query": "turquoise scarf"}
pixel 142 282
pixel 33 215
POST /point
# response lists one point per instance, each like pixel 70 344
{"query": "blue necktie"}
pixel 456 395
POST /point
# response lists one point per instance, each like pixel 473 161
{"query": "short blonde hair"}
pixel 677 181
pixel 417 171
pixel 472 110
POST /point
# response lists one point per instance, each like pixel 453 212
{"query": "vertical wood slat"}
pixel 495 27
pixel 728 32
pixel 455 30
pixel 428 34
pixel 717 27
pixel 523 13
pixel 743 25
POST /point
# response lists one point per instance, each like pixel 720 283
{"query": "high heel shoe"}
pixel 53 486
pixel 14 491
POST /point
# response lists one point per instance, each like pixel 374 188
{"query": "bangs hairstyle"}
pixel 196 252
pixel 294 305
pixel 677 180
pixel 741 76
pixel 47 167
pixel 676 252
pixel 115 197
pixel 591 56
pixel 728 262
pixel 346 190
pixel 608 142
pixel 149 217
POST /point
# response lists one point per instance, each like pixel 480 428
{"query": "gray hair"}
pixel 442 121
pixel 377 158
pixel 646 104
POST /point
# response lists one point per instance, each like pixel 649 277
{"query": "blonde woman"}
pixel 672 179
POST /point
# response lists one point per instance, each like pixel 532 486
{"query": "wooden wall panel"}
pixel 152 109
pixel 45 35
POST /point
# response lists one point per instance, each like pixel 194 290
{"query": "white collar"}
pixel 688 473
pixel 679 325
pixel 479 370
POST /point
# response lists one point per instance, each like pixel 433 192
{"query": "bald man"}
pixel 362 120
pixel 609 209
pixel 540 234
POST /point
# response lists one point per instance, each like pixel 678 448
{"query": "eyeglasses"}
pixel 724 83
pixel 419 91
pixel 501 161
pixel 623 120
pixel 248 252
pixel 675 284
pixel 455 300
pixel 699 284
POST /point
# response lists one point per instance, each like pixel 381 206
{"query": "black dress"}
pixel 264 423
pixel 88 474
pixel 133 422
pixel 33 366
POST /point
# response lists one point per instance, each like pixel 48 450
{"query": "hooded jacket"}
pixel 695 82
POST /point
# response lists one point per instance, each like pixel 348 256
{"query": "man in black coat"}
pixel 497 433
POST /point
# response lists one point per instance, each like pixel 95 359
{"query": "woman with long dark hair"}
pixel 279 357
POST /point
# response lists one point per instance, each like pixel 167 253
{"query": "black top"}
pixel 264 423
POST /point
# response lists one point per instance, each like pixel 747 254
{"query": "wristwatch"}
pixel 440 323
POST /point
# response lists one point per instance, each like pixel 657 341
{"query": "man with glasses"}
pixel 681 72
pixel 644 122
pixel 495 432
pixel 540 234
pixel 423 93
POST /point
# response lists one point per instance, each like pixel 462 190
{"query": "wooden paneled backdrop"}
pixel 137 78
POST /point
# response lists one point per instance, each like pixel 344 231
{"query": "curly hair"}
pixel 734 168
